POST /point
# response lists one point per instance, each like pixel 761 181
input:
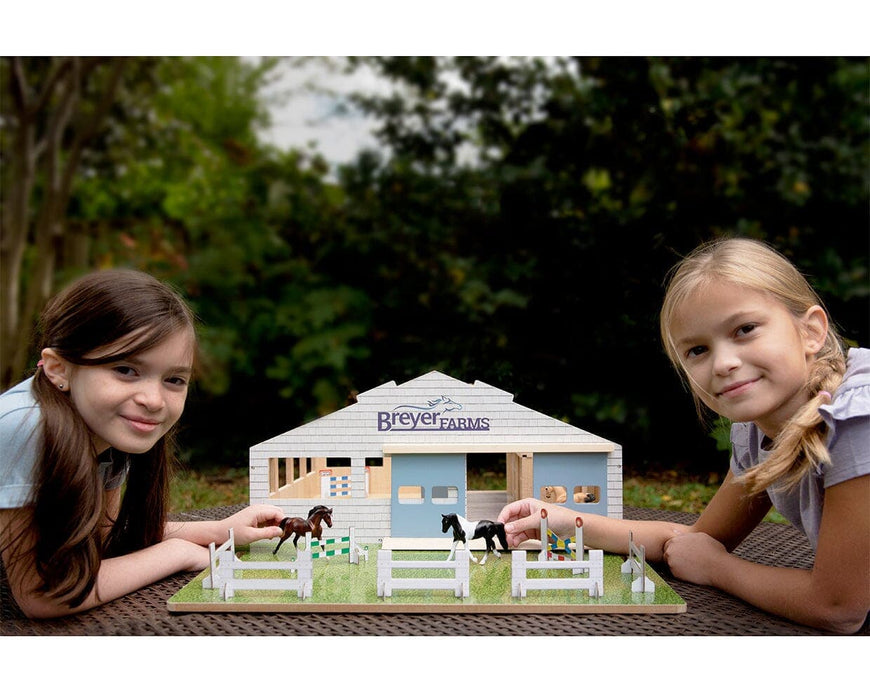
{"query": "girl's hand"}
pixel 522 520
pixel 693 556
pixel 258 522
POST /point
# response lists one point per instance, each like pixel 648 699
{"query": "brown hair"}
pixel 800 446
pixel 84 324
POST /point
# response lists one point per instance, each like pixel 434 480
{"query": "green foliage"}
pixel 208 488
pixel 721 434
pixel 588 178
pixel 675 492
pixel 514 228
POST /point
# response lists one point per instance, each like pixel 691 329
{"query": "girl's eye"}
pixel 746 329
pixel 695 351
pixel 177 381
pixel 125 371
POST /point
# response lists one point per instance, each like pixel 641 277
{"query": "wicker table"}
pixel 709 611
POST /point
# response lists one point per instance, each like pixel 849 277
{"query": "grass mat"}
pixel 340 586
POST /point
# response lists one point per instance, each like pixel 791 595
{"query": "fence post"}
pixel 212 565
pixel 385 557
pixel 518 572
pixel 463 574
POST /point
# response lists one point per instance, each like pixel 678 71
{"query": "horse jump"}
pixel 336 545
pixel 636 565
pixel 460 583
pixel 593 563
pixel 550 543
pixel 223 565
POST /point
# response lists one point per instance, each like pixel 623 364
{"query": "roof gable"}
pixel 432 409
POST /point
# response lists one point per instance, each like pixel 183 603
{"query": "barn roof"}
pixel 431 413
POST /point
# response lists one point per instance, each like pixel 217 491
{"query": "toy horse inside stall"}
pixel 299 526
pixel 463 531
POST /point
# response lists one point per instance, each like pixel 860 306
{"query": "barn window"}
pixel 553 494
pixel 409 495
pixel 587 494
pixel 446 495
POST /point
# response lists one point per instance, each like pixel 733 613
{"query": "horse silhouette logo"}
pixel 443 403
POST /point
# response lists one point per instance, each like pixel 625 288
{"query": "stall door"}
pixel 423 488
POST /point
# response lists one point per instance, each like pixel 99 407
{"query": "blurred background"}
pixel 339 223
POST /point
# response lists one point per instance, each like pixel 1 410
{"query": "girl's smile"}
pixel 746 355
pixel 737 389
pixel 142 424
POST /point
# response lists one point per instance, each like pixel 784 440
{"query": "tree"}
pixel 115 162
pixel 174 180
pixel 53 110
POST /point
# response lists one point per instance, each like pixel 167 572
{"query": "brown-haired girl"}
pixel 751 338
pixel 99 414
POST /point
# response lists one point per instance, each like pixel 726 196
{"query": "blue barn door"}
pixel 423 487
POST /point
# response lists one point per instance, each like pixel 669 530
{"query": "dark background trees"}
pixel 515 227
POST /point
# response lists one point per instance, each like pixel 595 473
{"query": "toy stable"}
pixel 394 461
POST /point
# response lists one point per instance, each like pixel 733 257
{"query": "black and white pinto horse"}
pixel 464 530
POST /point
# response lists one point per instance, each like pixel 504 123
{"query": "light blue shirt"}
pixel 19 445
pixel 848 419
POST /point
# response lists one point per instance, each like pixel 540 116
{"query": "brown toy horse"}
pixel 299 526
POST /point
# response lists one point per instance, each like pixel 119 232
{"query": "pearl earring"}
pixel 60 386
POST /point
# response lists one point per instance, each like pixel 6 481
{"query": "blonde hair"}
pixel 801 444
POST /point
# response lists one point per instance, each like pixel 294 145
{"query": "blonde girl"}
pixel 117 357
pixel 753 342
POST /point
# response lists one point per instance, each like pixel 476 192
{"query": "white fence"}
pixel 224 564
pixel 459 583
pixel 592 565
pixel 592 582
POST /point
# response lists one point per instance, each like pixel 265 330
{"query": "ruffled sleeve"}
pixel 852 398
pixel 848 420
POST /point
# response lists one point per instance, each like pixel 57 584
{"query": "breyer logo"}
pixel 429 418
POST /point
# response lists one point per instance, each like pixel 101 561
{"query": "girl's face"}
pixel 746 356
pixel 131 404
